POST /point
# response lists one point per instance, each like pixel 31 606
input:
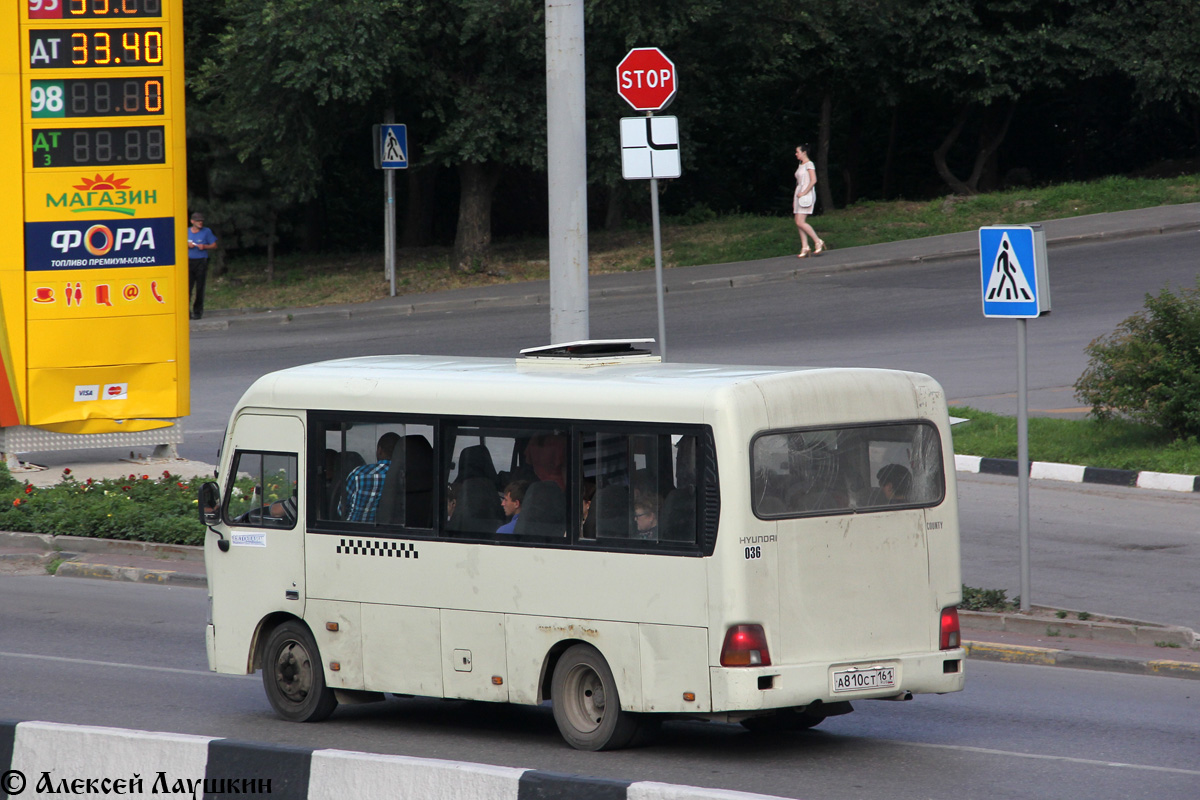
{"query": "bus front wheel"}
pixel 293 676
pixel 587 707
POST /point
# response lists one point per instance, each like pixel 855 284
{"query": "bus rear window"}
pixel 846 470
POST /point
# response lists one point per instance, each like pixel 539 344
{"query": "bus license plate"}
pixel 853 680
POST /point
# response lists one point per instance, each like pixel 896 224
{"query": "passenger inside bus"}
pixel 645 517
pixel 364 486
pixel 895 483
pixel 514 496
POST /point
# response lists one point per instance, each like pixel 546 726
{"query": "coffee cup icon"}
pixel 43 294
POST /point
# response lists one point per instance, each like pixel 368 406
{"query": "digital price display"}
pixel 96 97
pixel 99 147
pixel 64 48
pixel 95 9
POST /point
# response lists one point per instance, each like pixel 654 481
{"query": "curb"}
pixel 1123 631
pixel 59 758
pixel 1049 657
pixel 1049 470
pixel 73 569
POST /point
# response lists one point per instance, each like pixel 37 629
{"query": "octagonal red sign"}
pixel 646 79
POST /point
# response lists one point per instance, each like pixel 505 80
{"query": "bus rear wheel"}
pixel 587 707
pixel 293 677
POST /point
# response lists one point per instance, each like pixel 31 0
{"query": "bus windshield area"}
pixel 846 470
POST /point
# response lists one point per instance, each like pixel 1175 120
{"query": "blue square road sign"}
pixel 1013 271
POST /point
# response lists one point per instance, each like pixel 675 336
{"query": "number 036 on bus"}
pixel 627 539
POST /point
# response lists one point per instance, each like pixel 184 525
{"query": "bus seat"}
pixel 478 509
pixel 678 523
pixel 543 512
pixel 418 486
pixel 613 517
pixel 347 463
pixel 407 494
pixel 476 462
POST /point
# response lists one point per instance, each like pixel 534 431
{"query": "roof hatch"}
pixel 592 352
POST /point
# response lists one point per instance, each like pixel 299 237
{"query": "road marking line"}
pixel 91 663
pixel 1068 759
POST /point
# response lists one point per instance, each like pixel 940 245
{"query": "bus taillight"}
pixel 745 646
pixel 950 632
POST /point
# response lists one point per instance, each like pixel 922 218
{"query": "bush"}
pixel 137 508
pixel 1148 369
pixel 986 600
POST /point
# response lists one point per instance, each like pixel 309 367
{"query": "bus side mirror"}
pixel 210 510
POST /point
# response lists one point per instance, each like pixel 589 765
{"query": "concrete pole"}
pixel 566 170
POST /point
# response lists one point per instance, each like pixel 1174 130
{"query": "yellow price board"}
pixel 93 277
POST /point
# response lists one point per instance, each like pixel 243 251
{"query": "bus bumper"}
pixel 790 685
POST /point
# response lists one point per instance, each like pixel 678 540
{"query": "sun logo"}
pixel 101 183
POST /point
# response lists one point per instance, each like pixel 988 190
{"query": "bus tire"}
pixel 293 676
pixel 586 705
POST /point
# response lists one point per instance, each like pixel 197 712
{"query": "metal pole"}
pixel 389 216
pixel 389 228
pixel 566 168
pixel 1023 459
pixel 658 276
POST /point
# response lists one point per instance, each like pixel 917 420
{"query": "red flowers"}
pixel 28 488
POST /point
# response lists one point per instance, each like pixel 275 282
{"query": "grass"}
pixel 303 280
pixel 1116 444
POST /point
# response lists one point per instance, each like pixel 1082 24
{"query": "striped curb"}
pixel 40 758
pixel 1049 657
pixel 1048 470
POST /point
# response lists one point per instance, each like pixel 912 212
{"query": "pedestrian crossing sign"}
pixel 391 146
pixel 1015 281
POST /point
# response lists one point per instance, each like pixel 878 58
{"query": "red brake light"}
pixel 745 646
pixel 950 638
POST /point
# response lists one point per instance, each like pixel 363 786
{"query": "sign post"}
pixel 646 80
pixel 1015 279
pixel 391 153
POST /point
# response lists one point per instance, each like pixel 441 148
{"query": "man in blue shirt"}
pixel 364 485
pixel 200 241
pixel 514 495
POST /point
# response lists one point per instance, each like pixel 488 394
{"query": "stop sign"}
pixel 646 79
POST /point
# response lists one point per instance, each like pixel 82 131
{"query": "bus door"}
pixel 263 569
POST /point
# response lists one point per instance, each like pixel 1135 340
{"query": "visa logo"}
pixel 83 393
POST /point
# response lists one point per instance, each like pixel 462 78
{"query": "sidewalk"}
pixel 1127 646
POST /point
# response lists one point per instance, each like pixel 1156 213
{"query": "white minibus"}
pixel 627 539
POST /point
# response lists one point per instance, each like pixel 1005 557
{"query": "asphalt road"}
pixel 124 655
pixel 917 316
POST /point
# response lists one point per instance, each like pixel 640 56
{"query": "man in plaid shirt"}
pixel 364 485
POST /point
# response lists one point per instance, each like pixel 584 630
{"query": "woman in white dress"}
pixel 804 200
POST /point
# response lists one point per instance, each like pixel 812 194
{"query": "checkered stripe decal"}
pixel 377 547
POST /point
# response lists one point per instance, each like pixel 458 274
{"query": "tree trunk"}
pixel 272 226
pixel 420 185
pixel 824 190
pixel 890 159
pixel 614 214
pixel 473 239
pixel 939 155
pixel 989 142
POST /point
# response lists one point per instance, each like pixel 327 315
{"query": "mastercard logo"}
pixel 106 239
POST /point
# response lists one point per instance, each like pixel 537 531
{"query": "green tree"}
pixel 982 56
